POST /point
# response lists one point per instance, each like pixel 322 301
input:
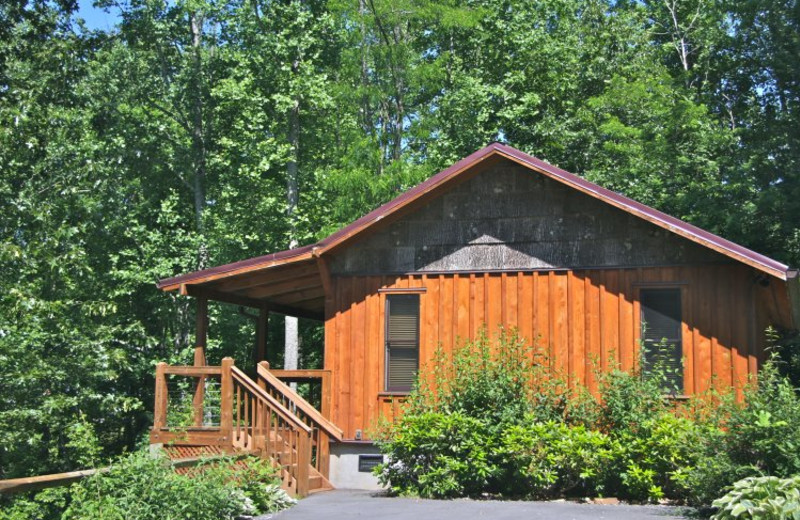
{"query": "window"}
pixel 402 341
pixel 366 463
pixel 661 335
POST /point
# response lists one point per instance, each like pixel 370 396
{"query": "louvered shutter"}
pixel 402 341
pixel 661 333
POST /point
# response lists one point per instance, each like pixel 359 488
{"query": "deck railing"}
pixel 251 418
pixel 322 429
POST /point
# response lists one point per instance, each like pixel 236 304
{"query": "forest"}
pixel 199 132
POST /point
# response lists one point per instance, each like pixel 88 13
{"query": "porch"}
pixel 203 408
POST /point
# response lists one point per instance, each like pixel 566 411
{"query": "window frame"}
pixel 679 390
pixel 388 296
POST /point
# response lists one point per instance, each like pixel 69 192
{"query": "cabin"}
pixel 499 238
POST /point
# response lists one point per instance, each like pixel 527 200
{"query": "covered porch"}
pixel 292 283
pixel 224 409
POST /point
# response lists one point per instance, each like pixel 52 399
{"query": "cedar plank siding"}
pixel 579 316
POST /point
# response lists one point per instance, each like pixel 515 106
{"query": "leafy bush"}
pixel 761 437
pixel 627 401
pixel 657 457
pixel 257 479
pixel 764 498
pixel 496 419
pixel 144 487
pixel 765 431
pixel 496 384
pixel 43 505
pixel 438 455
pixel 551 459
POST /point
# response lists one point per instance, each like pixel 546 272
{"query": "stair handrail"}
pixel 300 470
pixel 241 393
pixel 259 392
pixel 297 400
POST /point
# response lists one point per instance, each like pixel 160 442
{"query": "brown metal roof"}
pixel 221 271
pixel 469 163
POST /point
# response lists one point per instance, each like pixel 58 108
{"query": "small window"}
pixel 366 463
pixel 661 335
pixel 402 341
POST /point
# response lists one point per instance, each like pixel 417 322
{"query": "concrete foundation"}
pixel 344 468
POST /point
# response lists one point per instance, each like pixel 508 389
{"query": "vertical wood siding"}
pixel 584 320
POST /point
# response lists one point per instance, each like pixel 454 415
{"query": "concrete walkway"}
pixel 351 504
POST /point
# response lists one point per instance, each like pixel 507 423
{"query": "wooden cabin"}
pixel 499 238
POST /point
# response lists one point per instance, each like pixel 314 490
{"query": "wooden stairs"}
pixel 263 417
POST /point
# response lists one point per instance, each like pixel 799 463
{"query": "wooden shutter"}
pixel 661 334
pixel 402 341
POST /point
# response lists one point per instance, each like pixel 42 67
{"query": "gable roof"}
pixel 443 179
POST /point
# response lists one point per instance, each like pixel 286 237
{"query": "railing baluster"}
pixel 246 416
pixel 238 412
pixel 253 408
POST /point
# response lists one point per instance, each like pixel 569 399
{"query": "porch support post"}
pixel 261 335
pixel 201 333
pixel 323 441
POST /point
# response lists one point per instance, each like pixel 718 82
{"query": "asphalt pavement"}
pixel 342 504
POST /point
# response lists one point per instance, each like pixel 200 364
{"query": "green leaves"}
pixel 499 404
pixel 764 498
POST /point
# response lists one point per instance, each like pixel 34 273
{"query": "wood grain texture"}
pixel 585 320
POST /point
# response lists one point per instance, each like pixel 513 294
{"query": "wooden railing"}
pixel 39 482
pixel 261 423
pixel 253 417
pixel 322 429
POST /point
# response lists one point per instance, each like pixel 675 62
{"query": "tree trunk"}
pixel 366 115
pixel 198 136
pixel 292 341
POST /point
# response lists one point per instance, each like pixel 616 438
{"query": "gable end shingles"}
pixel 509 217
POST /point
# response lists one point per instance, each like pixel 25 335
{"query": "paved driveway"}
pixel 352 504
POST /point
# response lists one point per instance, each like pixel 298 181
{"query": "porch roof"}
pixel 289 282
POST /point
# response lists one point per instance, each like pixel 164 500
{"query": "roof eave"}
pixel 227 270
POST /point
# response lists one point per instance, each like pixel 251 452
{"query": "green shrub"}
pixel 438 455
pixel 765 432
pixel 761 437
pixel 257 479
pixel 496 385
pixel 628 400
pixel 43 505
pixel 657 457
pixel 546 460
pixel 764 498
pixel 144 487
pixel 495 419
pixel 445 443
